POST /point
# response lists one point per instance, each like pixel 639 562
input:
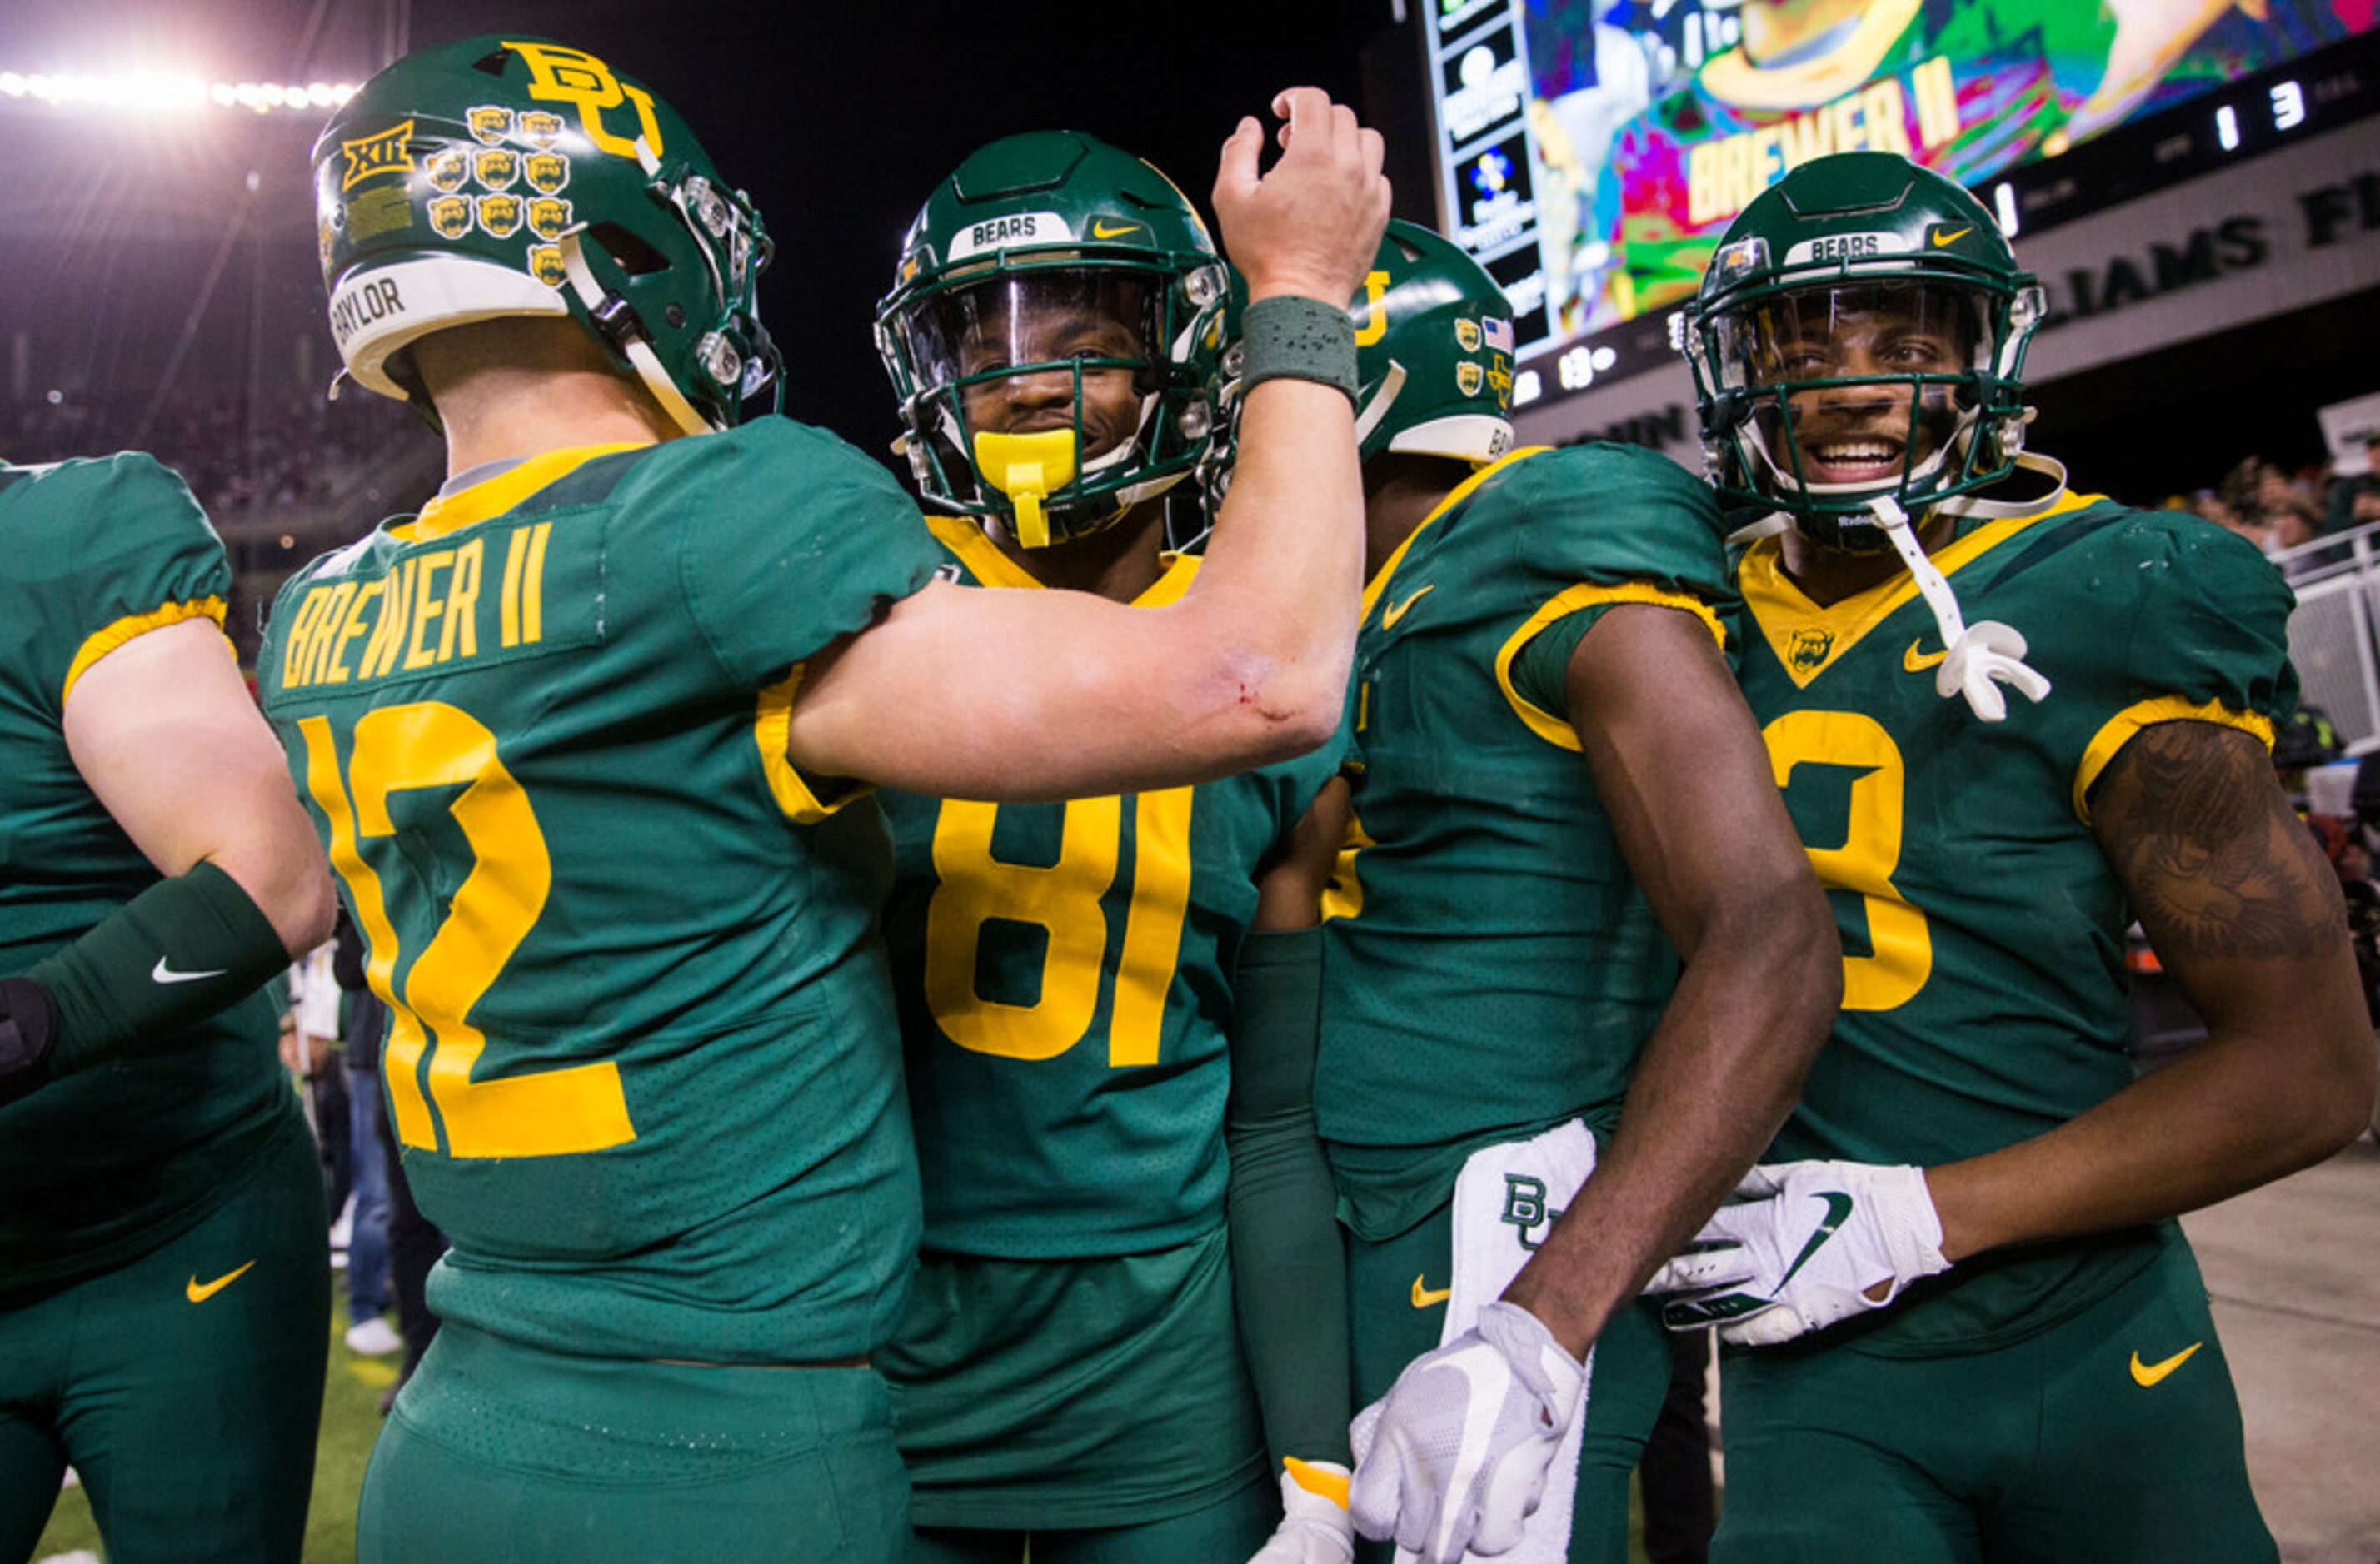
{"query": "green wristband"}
pixel 171 956
pixel 1289 337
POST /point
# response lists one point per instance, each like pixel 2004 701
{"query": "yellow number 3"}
pixel 1902 946
pixel 431 745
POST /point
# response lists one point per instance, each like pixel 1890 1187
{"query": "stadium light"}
pixel 155 92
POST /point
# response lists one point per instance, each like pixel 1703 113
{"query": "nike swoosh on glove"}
pixel 1808 1244
pixel 1314 1526
pixel 1454 1456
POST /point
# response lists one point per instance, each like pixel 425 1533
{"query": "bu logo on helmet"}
pixel 572 76
pixel 1375 322
pixel 386 151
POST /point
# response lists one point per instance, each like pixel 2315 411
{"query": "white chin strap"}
pixel 1977 658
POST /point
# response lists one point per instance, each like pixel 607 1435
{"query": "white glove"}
pixel 1314 1526
pixel 1990 653
pixel 1809 1244
pixel 1454 1456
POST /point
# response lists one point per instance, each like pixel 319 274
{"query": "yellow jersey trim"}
pixel 1848 66
pixel 774 730
pixel 1454 496
pixel 130 627
pixel 1554 727
pixel 993 567
pixel 2118 730
pixel 1785 613
pixel 450 513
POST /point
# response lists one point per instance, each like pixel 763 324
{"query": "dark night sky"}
pixel 837 118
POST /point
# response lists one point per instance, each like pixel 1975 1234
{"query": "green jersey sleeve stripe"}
pixel 99 643
pixel 1554 727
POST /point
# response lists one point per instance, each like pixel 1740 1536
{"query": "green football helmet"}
pixel 1433 351
pixel 502 176
pixel 1433 358
pixel 1860 335
pixel 1046 266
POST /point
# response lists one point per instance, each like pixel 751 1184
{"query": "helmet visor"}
pixel 1029 337
pixel 1857 386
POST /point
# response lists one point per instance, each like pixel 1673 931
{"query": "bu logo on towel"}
pixel 1524 1208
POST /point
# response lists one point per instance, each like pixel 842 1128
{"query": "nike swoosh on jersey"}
pixel 1917 661
pixel 1394 612
pixel 1428 1297
pixel 1941 239
pixel 2147 1373
pixel 1838 1206
pixel 199 1291
pixel 162 973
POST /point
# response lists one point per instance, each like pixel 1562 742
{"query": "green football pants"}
pixel 500 1451
pixel 184 1386
pixel 1225 1531
pixel 2113 1436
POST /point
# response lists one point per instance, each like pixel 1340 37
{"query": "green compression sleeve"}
pixel 172 955
pixel 1288 1262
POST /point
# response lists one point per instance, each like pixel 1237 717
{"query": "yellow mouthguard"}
pixel 1026 467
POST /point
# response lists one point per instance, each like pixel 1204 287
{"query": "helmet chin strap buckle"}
pixel 1978 658
pixel 1026 467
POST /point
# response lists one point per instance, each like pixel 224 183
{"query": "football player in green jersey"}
pixel 589 736
pixel 1570 928
pixel 1069 1374
pixel 1972 1208
pixel 164 1274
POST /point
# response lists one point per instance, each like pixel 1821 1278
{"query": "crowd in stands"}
pixel 283 447
pixel 2277 510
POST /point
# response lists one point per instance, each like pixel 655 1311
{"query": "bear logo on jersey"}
pixel 1809 650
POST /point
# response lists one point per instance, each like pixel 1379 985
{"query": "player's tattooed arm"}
pixel 2216 863
pixel 2246 916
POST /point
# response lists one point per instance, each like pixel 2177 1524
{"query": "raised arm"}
pixel 1052 694
pixel 1681 771
pixel 164 734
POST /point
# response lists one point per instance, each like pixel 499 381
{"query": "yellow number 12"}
pixel 432 745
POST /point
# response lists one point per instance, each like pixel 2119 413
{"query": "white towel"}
pixel 1505 1202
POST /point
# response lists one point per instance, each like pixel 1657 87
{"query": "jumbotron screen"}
pixel 1591 151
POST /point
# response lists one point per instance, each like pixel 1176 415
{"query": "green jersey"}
pixel 1983 995
pixel 641 1053
pixel 1489 964
pixel 108 1164
pixel 1064 974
